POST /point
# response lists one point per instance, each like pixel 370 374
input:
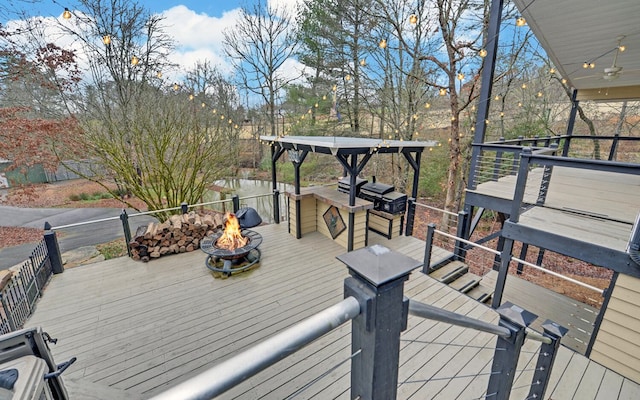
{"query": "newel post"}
pixel 546 359
pixel 505 359
pixel 53 249
pixel 377 282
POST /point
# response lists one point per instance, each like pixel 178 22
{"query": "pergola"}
pixel 352 153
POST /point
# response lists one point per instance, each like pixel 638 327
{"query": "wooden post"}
pixel 377 282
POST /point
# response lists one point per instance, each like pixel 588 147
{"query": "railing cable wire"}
pixel 327 372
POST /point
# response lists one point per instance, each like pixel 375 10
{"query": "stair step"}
pixel 450 272
pixel 466 282
pixel 481 293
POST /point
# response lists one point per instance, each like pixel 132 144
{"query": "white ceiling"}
pixel 577 31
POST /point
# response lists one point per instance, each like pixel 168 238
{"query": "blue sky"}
pixel 196 26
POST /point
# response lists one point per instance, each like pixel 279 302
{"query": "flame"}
pixel 231 238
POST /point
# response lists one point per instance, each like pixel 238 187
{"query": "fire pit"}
pixel 231 250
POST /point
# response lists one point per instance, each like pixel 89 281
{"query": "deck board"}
pixel 141 328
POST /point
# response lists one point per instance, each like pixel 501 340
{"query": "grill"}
pixel 394 203
pixel 384 197
pixel 344 185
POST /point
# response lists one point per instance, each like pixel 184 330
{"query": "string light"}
pixel 134 61
pixel 176 87
pixel 497 97
pixel 383 44
pixel 348 77
pixel 588 65
pixel 539 94
pixel 363 62
pixel 190 97
pixel 106 39
pixel 482 53
pixel 66 14
pixel 552 71
pixel 335 87
pixel 460 76
pixel 442 91
pixel 413 19
pixel 159 74
pixel 520 21
pixel 524 85
pixel 428 105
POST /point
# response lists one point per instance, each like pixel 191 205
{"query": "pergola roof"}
pixel 573 32
pixel 347 145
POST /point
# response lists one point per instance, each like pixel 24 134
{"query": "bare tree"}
pixel 259 45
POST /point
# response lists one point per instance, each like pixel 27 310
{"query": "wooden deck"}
pixel 139 328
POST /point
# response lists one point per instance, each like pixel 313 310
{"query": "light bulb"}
pixel 460 76
pixel 383 44
pixel 524 85
pixel 552 71
pixel 443 92
pixel 483 53
pixel 66 14
pixel 428 105
pixel 622 48
pixel 363 62
pixel 413 19
pixel 106 39
pixel 520 21
pixel 134 61
pixel 585 65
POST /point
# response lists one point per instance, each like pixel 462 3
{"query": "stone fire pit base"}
pixel 223 269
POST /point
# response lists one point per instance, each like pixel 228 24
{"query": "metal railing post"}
pixel 497 163
pixel 124 217
pixel 184 207
pixel 411 214
pixel 505 358
pixel 546 359
pixel 426 265
pixel 461 232
pixel 276 206
pixel 377 282
pixel 53 249
pixel 235 199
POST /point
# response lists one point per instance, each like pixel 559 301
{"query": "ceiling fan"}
pixel 613 72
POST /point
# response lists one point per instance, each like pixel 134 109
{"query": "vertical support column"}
pixel 501 281
pixel 377 282
pixel 426 264
pixel 507 352
pixel 546 359
pixel 124 217
pixel 490 43
pixel 276 206
pixel 572 121
pixel 53 249
pixel 523 256
pixel 411 214
pixel 459 251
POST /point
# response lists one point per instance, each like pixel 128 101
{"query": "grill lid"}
pixel 377 188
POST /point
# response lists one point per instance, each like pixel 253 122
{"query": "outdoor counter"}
pixel 326 210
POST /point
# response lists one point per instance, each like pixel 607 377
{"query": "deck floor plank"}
pixel 141 328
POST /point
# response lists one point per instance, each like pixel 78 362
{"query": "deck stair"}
pixel 449 272
pixel 456 274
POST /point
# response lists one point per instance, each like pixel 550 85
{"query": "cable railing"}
pixel 576 309
pixel 227 374
pixel 376 305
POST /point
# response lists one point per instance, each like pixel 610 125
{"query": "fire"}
pixel 231 238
